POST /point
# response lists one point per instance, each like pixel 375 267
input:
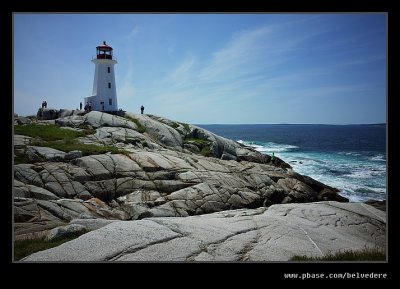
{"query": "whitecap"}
pixel 268 147
pixel 378 157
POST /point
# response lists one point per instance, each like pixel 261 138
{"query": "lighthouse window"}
pixel 109 85
pixel 108 69
pixel 110 101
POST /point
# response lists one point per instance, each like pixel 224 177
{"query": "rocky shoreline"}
pixel 157 169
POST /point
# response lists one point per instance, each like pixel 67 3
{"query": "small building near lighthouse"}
pixel 104 94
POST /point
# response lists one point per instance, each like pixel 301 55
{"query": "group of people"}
pixel 44 104
pixel 88 106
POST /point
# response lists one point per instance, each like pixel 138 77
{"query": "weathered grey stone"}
pixel 73 155
pixel 38 193
pixel 191 147
pixel 23 215
pixel 149 233
pixel 22 120
pixel 67 189
pixel 38 154
pixel 228 157
pixel 54 209
pixel 139 196
pixel 65 112
pixel 163 133
pixel 26 174
pixel 85 195
pixel 273 234
pixel 297 190
pixel 65 231
pixel 92 224
pixel 108 166
pixel 47 114
pixel 114 135
pixel 97 119
pixel 74 120
pixel 21 141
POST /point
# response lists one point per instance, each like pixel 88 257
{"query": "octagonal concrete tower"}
pixel 104 95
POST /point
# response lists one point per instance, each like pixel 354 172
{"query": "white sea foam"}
pixel 357 176
pixel 269 147
pixel 378 157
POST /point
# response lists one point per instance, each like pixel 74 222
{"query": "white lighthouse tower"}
pixel 104 95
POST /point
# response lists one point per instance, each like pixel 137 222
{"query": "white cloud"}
pixel 134 31
pixel 182 73
pixel 243 47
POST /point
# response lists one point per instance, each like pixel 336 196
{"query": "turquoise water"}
pixel 351 158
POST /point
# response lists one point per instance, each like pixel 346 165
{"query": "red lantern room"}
pixel 104 51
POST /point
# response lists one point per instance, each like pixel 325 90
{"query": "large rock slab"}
pixel 163 133
pixel 37 154
pixel 97 119
pixel 273 234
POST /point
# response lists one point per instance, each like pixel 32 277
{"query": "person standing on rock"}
pixel 80 106
pixel 142 109
pixel 45 104
pixel 273 158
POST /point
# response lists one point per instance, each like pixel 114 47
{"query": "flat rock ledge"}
pixel 264 234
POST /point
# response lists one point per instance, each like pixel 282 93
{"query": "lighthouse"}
pixel 104 95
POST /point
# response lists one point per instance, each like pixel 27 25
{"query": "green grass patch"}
pixel 23 248
pixel 86 149
pixel 205 151
pixel 367 254
pixel 203 145
pixel 140 127
pixel 61 139
pixel 186 127
pixel 47 132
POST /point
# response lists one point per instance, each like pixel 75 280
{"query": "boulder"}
pixel 164 134
pixel 47 114
pixel 274 234
pixel 65 231
pixel 73 155
pixel 65 112
pixel 37 154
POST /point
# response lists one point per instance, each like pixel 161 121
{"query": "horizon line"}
pixel 377 123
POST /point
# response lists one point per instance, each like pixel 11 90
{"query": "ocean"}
pixel 351 158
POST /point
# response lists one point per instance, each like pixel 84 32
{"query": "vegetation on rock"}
pixel 52 136
pixel 49 132
pixel 23 248
pixel 203 145
pixel 140 128
pixel 367 254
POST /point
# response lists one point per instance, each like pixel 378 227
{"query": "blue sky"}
pixel 210 68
